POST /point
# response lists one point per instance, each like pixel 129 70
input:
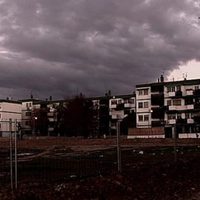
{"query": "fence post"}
pixel 119 167
pixel 16 154
pixel 11 155
pixel 175 145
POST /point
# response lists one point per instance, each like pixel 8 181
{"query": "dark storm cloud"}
pixel 63 47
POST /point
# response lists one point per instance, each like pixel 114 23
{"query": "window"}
pixel 113 102
pixel 179 116
pixel 140 105
pixel 146 91
pixel 28 113
pixel 177 102
pixel 146 117
pixel 171 89
pixel 178 88
pixel 169 102
pixel 119 101
pixel 27 123
pixel 171 116
pixel 143 91
pixel 187 115
pixel 196 87
pixel 140 118
pixel 131 101
pixel 146 104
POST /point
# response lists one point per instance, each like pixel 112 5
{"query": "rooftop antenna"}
pixel 184 76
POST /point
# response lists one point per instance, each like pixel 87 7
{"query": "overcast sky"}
pixel 64 47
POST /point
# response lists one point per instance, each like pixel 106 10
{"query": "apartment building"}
pixel 150 104
pixel 9 109
pixel 28 106
pixel 122 107
pixel 163 107
pixel 182 102
pixel 149 111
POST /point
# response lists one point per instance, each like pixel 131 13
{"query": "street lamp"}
pixel 35 120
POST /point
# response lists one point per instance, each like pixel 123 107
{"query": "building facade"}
pixel 9 110
pixel 173 106
pixel 122 107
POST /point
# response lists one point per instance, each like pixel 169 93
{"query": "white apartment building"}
pixel 170 105
pixel 27 106
pixel 182 102
pixel 9 110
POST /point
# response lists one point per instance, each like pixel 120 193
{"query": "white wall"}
pixel 8 111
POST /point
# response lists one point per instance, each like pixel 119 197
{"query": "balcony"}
pixel 171 94
pixel 117 114
pixel 189 92
pixel 185 107
pixel 190 107
pixel 190 121
pixel 171 121
pixel 113 105
pixel 129 105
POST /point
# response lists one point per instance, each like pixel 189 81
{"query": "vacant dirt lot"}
pixel 71 168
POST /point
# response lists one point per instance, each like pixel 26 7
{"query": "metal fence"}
pixel 57 163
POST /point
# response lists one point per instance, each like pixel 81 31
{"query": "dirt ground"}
pixel 63 168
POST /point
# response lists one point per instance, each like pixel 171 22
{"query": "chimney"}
pixel 50 98
pixel 162 79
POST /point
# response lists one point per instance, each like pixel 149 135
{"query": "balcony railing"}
pixel 185 107
pixel 189 92
pixel 171 121
pixel 190 121
pixel 171 94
